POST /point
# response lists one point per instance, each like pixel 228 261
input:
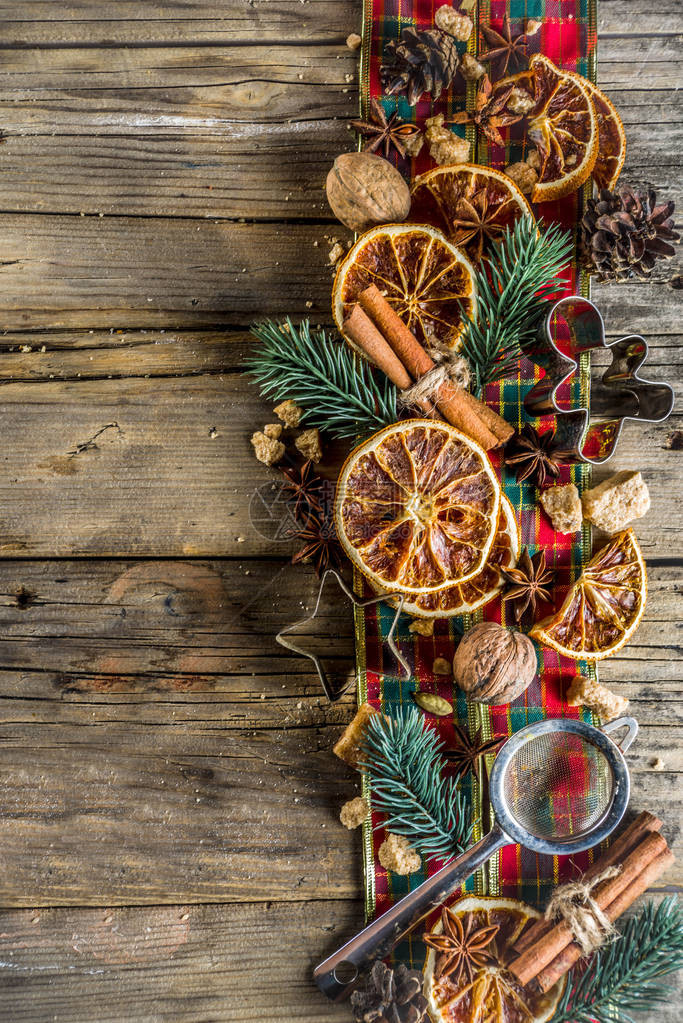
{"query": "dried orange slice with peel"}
pixel 464 598
pixel 562 124
pixel 417 506
pixel 603 607
pixel 492 994
pixel 471 204
pixel 424 277
pixel 611 140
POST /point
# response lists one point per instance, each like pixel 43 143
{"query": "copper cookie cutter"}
pixel 578 325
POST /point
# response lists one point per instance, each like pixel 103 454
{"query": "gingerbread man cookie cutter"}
pixel 572 328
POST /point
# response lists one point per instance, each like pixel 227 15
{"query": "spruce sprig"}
pixel 401 756
pixel 622 977
pixel 337 390
pixel 513 288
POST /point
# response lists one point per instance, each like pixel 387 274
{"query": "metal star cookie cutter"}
pixel 625 394
pixel 330 693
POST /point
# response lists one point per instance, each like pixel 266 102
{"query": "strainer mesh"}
pixel 558 785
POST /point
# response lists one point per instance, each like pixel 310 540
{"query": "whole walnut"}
pixel 364 190
pixel 493 664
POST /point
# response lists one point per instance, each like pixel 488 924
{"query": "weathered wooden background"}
pixel 168 833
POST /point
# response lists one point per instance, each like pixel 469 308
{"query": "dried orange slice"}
pixel 428 281
pixel 611 140
pixel 562 123
pixel 416 507
pixel 604 606
pixel 464 598
pixel 469 203
pixel 492 995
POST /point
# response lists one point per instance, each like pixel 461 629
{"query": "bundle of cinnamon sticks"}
pixel 546 950
pixel 377 330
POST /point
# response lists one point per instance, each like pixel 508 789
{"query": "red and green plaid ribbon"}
pixel 568 36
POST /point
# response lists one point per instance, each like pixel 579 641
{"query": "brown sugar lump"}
pixel 273 430
pixel 308 443
pixel 444 146
pixel 289 412
pixel 563 507
pixel 347 747
pixel 354 812
pixel 584 692
pixel 395 854
pixel 267 449
pixel 616 501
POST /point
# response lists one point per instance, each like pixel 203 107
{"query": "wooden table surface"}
pixel 169 838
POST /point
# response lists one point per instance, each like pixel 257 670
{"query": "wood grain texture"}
pixel 77 22
pixel 97 473
pixel 91 272
pixel 176 964
pixel 156 746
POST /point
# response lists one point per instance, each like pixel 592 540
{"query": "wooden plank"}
pixel 100 812
pixel 199 148
pixel 176 964
pixel 237 172
pixel 208 628
pixel 42 22
pixel 180 964
pixel 117 799
pixel 102 354
pixel 96 474
pixel 149 22
pixel 123 272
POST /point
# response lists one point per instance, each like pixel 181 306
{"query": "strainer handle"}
pixel 378 939
pixel 622 722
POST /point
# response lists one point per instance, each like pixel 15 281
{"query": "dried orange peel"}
pixel 416 507
pixel 604 606
pixel 426 279
pixel 562 124
pixel 465 598
pixel 611 140
pixel 471 204
pixel 493 994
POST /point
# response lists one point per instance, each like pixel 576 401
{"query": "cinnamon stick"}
pixel 360 328
pixel 542 953
pixel 572 953
pixel 460 408
pixel 627 841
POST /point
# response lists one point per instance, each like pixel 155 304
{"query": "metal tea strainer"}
pixel 558 786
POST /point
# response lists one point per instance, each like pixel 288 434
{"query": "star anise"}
pixel 506 48
pixel 321 545
pixel 468 751
pixel 381 130
pixel 489 114
pixel 304 485
pixel 460 951
pixel 537 456
pixel 530 580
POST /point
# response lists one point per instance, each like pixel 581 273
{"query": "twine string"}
pixel 574 903
pixel 448 367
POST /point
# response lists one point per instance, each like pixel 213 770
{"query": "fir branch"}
pixel 513 288
pixel 401 756
pixel 337 390
pixel 622 977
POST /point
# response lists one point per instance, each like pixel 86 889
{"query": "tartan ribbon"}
pixel 568 36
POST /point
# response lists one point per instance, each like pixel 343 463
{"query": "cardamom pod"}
pixel 433 704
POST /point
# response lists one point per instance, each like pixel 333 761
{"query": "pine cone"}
pixel 624 233
pixel 422 61
pixel 390 996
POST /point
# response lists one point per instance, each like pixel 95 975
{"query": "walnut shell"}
pixel 493 664
pixel 364 189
